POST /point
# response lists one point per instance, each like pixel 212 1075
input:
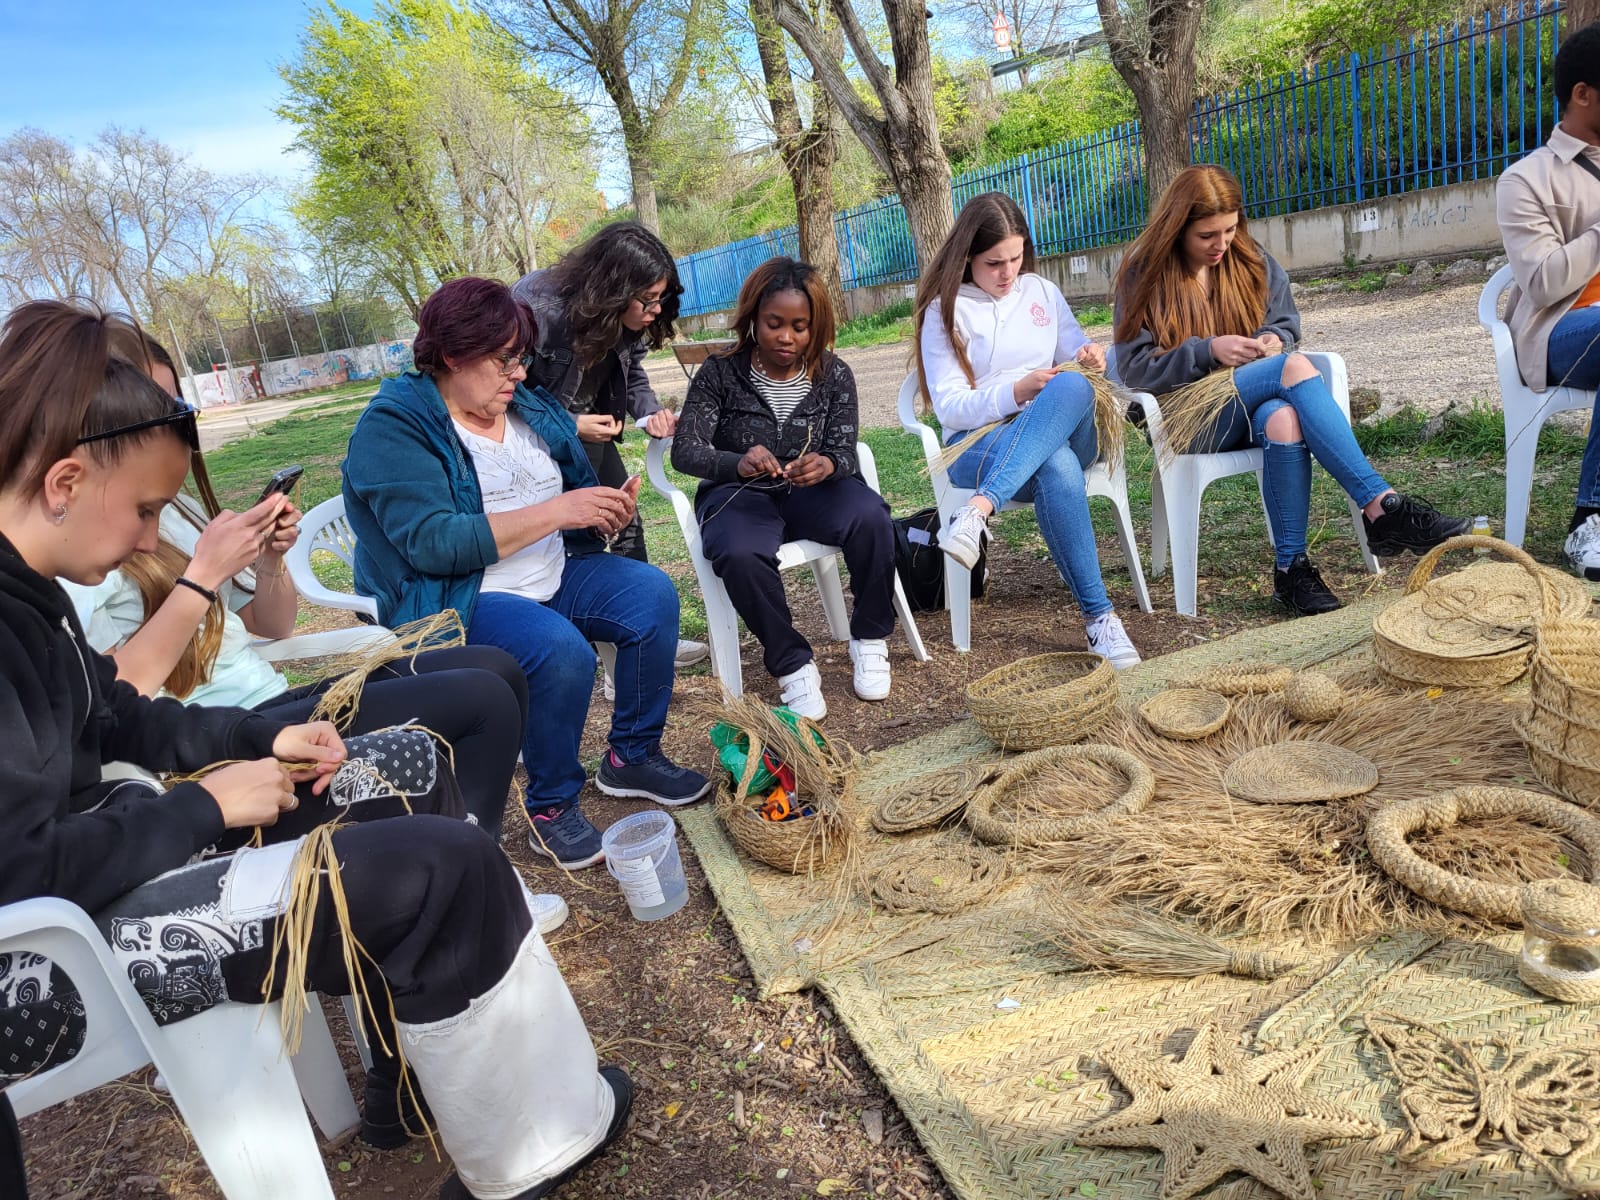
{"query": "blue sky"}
pixel 198 74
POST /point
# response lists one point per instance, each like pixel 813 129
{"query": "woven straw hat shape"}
pixel 1244 678
pixel 1572 909
pixel 1389 827
pixel 1057 772
pixel 931 798
pixel 938 878
pixel 1299 773
pixel 1185 714
pixel 1045 700
pixel 1312 696
pixel 1474 628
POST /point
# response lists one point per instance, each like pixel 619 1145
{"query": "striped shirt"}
pixel 781 395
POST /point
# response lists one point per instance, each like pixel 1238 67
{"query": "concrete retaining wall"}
pixel 1434 223
pixel 309 371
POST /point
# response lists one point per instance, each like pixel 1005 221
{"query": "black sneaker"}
pixel 392 1114
pixel 657 778
pixel 1411 524
pixel 622 1089
pixel 1300 589
pixel 563 834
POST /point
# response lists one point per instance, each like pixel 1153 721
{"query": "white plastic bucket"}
pixel 642 856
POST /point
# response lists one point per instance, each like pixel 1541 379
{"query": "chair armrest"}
pixel 323 645
pixel 655 465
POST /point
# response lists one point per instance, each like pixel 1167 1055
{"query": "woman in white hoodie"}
pixel 990 335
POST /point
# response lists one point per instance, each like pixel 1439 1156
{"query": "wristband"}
pixel 184 581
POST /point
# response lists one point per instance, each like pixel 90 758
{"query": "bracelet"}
pixel 184 581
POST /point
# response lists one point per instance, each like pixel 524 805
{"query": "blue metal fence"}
pixel 1459 103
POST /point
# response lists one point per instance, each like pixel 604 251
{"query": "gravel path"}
pixel 1422 347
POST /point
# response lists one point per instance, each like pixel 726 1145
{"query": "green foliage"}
pixel 1081 98
pixel 882 328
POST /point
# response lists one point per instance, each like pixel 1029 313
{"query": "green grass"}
pixel 1460 471
pixel 882 328
pixel 1093 314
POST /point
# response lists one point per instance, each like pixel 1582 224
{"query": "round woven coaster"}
pixel 938 879
pixel 1388 828
pixel 1299 773
pixel 1185 714
pixel 931 798
pixel 1244 678
pixel 1035 780
pixel 1311 696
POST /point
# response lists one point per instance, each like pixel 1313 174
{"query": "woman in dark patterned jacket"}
pixel 771 429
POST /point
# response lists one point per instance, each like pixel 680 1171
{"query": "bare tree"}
pixel 1580 13
pixel 1034 24
pixel 1152 44
pixel 642 51
pixel 47 219
pixel 902 131
pixel 808 154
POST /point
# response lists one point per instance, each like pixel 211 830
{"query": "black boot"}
pixel 392 1113
pixel 1410 524
pixel 622 1089
pixel 1300 589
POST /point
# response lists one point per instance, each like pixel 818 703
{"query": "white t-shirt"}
pixel 111 612
pixel 1032 326
pixel 514 473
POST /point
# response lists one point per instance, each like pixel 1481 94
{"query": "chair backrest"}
pixel 1505 350
pixel 330 530
pixel 1489 301
pixel 907 403
pixel 327 529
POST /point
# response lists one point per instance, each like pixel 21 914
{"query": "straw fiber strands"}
pixel 1110 406
pixel 1270 868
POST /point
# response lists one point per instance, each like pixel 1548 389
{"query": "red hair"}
pixel 468 319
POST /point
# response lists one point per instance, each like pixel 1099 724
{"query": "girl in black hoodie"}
pixel 90 452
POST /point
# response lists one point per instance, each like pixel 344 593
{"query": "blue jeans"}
pixel 1574 359
pixel 1286 466
pixel 1040 456
pixel 602 598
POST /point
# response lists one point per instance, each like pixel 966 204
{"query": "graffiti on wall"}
pixel 309 372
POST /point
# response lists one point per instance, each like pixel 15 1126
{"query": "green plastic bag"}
pixel 733 751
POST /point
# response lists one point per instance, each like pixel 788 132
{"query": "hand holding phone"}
pixel 282 482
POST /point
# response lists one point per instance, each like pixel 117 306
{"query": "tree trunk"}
pixel 808 155
pixel 1158 64
pixel 642 171
pixel 1580 13
pixel 925 195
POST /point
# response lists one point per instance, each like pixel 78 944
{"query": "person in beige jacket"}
pixel 1548 207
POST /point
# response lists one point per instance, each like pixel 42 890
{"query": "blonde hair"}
pixel 1157 291
pixel 155 574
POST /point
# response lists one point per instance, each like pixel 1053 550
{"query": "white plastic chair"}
pixel 1524 410
pixel 226 1070
pixel 325 527
pixel 722 622
pixel 1101 479
pixel 1178 483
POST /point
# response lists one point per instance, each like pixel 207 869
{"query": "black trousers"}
pixel 475 697
pixel 608 467
pixel 742 527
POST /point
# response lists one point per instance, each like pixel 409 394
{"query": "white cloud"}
pixel 259 146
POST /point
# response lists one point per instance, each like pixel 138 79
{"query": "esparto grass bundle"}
pixel 341 702
pixel 1188 412
pixel 1110 417
pixel 1121 937
pixel 1270 869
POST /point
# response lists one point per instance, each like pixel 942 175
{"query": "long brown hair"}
pixel 984 221
pixel 138 347
pixel 785 275
pixel 1157 291
pixel 599 279
pixel 155 575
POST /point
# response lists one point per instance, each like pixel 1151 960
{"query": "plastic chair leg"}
pixel 831 589
pixel 1184 492
pixel 321 1078
pixel 1130 550
pixel 363 1050
pixel 1522 445
pixel 958 599
pixel 908 621
pixel 1158 525
pixel 237 1092
pixel 1374 567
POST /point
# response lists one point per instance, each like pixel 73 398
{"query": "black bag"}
pixel 920 562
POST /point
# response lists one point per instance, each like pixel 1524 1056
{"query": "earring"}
pixel 61 512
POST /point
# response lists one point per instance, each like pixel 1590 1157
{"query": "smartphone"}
pixel 282 482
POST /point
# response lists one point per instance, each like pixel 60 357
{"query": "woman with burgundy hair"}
pixel 467 490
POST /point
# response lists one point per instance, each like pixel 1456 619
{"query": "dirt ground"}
pixel 740 1098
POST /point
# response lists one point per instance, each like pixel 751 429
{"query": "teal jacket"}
pixel 412 498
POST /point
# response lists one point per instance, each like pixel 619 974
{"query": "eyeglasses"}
pixel 649 305
pixel 508 363
pixel 182 418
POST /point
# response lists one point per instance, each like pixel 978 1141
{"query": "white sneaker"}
pixel 690 653
pixel 962 540
pixel 871 657
pixel 1110 640
pixel 802 692
pixel 1583 548
pixel 549 911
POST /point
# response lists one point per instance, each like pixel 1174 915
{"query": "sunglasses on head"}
pixel 181 418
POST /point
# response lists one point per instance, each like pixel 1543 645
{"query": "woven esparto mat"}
pixel 988 1041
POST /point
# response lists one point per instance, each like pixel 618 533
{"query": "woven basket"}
pixel 1562 729
pixel 1388 828
pixel 801 845
pixel 1185 714
pixel 1299 773
pixel 1045 700
pixel 1473 628
pixel 992 815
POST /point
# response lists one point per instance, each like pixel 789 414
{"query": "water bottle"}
pixel 1480 528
